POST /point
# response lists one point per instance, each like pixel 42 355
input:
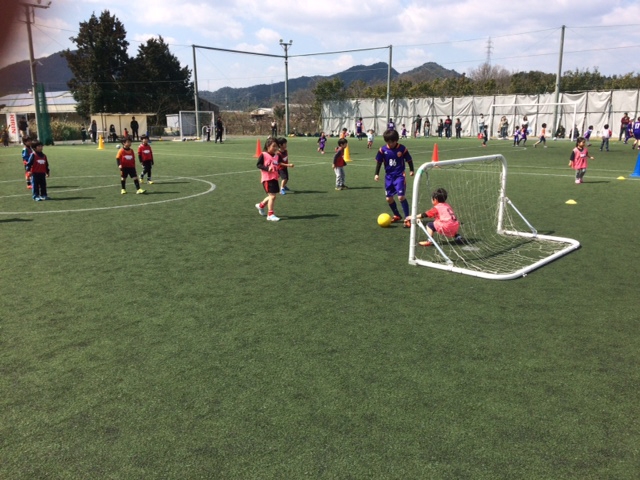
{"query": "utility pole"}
pixel 557 90
pixel 286 46
pixel 29 14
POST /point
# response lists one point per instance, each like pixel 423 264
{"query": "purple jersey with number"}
pixel 394 161
pixel 358 126
pixel 636 129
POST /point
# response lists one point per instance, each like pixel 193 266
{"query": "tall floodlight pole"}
pixel 286 46
pixel 557 90
pixel 389 85
pixel 195 92
pixel 29 19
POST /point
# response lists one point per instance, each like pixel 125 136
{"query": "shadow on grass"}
pixel 295 192
pixel 363 188
pixel 65 199
pixel 596 181
pixel 310 217
pixel 11 220
pixel 159 193
pixel 50 187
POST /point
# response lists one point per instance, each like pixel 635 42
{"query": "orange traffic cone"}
pixel 258 149
pixel 347 154
pixel 434 155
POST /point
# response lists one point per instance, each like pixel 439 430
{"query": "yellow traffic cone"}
pixel 100 143
pixel 347 154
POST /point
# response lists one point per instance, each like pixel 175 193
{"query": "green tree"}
pixel 326 91
pixel 156 83
pixel 98 64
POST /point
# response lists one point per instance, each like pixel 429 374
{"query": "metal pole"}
pixel 195 93
pixel 386 121
pixel 28 11
pixel 557 90
pixel 286 84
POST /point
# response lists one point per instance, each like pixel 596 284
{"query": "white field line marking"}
pixel 212 187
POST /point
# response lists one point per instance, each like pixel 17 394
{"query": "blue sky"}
pixel 453 33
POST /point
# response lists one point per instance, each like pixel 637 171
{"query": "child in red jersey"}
pixel 578 159
pixel 339 163
pixel 38 167
pixel 283 164
pixel 268 164
pixel 126 159
pixel 445 221
pixel 145 155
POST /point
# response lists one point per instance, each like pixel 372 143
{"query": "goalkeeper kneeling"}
pixel 444 221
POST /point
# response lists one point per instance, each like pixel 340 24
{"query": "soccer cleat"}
pixel 29 186
pixel 123 192
pixel 46 197
pixel 141 180
pixel 425 244
pixel 396 218
pixel 407 223
pixel 286 188
pixel 37 199
pixel 283 191
pixel 260 209
pixel 344 187
pixel 577 180
pixel 273 218
pixel 150 182
pixel 459 240
pixel 338 188
pixel 139 191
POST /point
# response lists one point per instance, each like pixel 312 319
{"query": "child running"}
pixel 268 165
pixel 444 221
pixel 126 159
pixel 283 165
pixel 543 137
pixel 370 138
pixel 322 143
pixel 394 156
pixel 145 155
pixel 578 159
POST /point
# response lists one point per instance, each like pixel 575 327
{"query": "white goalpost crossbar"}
pixel 497 242
pixel 537 114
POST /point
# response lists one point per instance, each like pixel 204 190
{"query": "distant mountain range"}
pixel 54 73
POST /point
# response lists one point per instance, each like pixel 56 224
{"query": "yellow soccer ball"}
pixel 384 220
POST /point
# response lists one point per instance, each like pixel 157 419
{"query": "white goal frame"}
pixel 502 203
pixel 196 134
pixel 551 104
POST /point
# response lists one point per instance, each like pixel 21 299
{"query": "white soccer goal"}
pixel 189 127
pixel 537 114
pixel 498 242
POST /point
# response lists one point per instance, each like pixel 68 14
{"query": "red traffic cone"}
pixel 258 149
pixel 434 155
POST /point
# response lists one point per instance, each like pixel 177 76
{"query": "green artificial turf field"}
pixel 178 334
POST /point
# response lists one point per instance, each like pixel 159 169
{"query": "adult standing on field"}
pixel 23 126
pixel 134 129
pixel 274 129
pixel 94 131
pixel 624 125
pixel 481 123
pixel 418 126
pixel 220 130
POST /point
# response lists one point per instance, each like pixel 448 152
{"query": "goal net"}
pixel 564 113
pixel 193 126
pixel 497 242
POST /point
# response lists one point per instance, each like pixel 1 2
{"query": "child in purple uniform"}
pixel 322 142
pixel 394 156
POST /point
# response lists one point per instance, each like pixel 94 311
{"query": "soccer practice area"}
pixel 178 334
